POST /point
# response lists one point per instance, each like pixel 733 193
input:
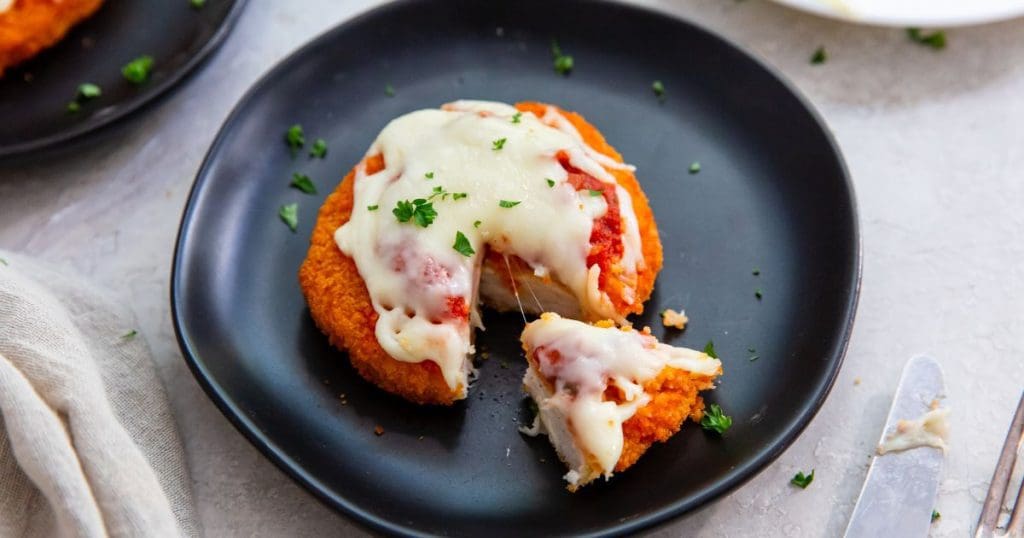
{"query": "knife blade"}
pixel 900 488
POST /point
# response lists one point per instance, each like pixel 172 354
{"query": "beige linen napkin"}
pixel 88 444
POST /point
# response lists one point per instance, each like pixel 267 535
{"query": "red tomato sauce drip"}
pixel 606 235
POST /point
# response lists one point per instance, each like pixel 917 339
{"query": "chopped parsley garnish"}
pixel 303 183
pixel 507 203
pixel 754 358
pixel 319 149
pixel 551 182
pixel 137 71
pixel 419 211
pixel 459 195
pixel 756 272
pixel 714 420
pixel 462 245
pixel 563 63
pixel 695 167
pixel 88 91
pixel 935 40
pixel 295 137
pixel 389 90
pixel 819 57
pixel 372 207
pixel 4 262
pixel 752 350
pixel 517 117
pixel 85 92
pixel 935 515
pixel 498 144
pixel 758 294
pixel 197 4
pixel 659 89
pixel 709 349
pixel 129 335
pixel 289 213
pixel 801 480
pixel 595 192
pixel 444 194
pixel 477 223
pixel 429 175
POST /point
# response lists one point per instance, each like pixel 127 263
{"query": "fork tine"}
pixel 1001 478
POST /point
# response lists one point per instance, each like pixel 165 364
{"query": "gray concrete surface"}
pixel 934 143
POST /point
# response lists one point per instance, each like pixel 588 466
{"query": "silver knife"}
pixel 899 492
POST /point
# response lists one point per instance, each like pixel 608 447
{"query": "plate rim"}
pixel 367 520
pixel 143 100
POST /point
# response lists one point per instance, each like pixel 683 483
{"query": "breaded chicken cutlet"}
pixel 29 26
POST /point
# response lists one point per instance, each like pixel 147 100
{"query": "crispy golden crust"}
pixel 340 303
pixel 30 26
pixel 675 395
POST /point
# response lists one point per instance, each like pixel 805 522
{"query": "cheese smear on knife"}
pixel 573 366
pixel 493 178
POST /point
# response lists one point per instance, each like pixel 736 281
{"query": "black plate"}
pixel 772 194
pixel 34 95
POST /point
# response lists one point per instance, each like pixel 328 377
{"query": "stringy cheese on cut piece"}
pixel 29 26
pixel 605 394
pixel 552 219
pixel 930 430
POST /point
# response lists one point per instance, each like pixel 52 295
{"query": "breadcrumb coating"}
pixel 30 26
pixel 340 303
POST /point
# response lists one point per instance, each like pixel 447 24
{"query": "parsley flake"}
pixel 819 57
pixel 319 149
pixel 756 272
pixel 197 4
pixel 709 349
pixel 498 144
pixel 714 420
pixel 935 40
pixel 295 137
pixel 695 167
pixel 289 213
pixel 137 71
pixel 462 245
pixel 477 223
pixel 459 195
pixel 758 294
pixel 801 480
pixel 517 117
pixel 372 207
pixel 129 335
pixel 563 63
pixel 507 203
pixel 73 107
pixel 88 91
pixel 935 515
pixel 389 90
pixel 4 262
pixel 429 175
pixel 595 192
pixel 303 183
pixel 551 182
pixel 659 89
pixel 419 211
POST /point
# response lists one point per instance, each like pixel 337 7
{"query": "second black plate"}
pixel 772 194
pixel 34 95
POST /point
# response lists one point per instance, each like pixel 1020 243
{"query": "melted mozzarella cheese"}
pixel 583 360
pixel 928 430
pixel 480 153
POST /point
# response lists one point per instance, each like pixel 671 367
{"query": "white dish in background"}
pixel 918 13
